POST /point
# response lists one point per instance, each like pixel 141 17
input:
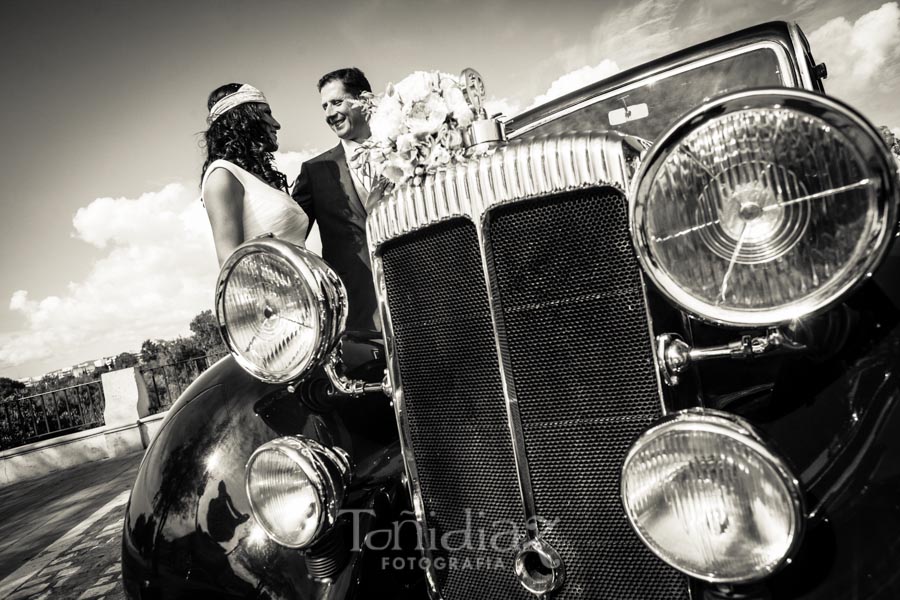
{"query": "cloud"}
pixel 628 37
pixel 289 162
pixel 623 38
pixel 158 273
pixel 19 300
pixel 857 53
pixel 862 51
pixel 506 107
pixel 577 79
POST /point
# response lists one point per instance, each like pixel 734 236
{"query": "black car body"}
pixel 527 349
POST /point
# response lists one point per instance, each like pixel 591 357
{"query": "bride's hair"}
pixel 240 137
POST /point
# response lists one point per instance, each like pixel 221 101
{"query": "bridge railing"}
pixel 166 382
pixel 51 414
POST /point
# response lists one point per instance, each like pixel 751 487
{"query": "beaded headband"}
pixel 246 93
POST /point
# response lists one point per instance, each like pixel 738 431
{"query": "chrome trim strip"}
pixel 508 385
pixel 651 331
pixel 522 170
pixel 806 80
pixel 409 461
pixel 787 72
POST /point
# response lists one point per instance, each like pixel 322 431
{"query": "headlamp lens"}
pixel 711 500
pixel 270 313
pixel 289 508
pixel 763 212
pixel 296 487
pixel 281 309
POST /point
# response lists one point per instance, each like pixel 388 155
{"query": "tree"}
pixel 182 349
pixel 151 350
pixel 205 329
pixel 125 360
pixel 10 387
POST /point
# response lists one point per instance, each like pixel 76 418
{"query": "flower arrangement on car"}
pixel 417 127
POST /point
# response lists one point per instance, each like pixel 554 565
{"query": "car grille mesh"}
pixel 581 358
pixel 454 402
pixel 578 351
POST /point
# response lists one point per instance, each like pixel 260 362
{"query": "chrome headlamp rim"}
pixel 736 428
pixel 313 459
pixel 325 286
pixel 878 161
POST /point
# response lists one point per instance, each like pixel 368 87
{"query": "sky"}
pixel 103 238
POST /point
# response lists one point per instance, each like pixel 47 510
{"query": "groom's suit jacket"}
pixel 325 191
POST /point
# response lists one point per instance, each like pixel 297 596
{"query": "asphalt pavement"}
pixel 60 535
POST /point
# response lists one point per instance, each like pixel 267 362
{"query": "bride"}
pixel 244 194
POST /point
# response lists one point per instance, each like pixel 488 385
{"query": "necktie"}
pixel 361 170
pixel 362 173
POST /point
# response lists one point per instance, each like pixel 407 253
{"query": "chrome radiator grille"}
pixel 522 364
pixel 579 350
pixel 454 401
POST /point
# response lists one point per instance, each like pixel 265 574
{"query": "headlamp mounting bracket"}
pixel 674 355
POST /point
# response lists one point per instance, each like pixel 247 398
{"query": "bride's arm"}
pixel 223 195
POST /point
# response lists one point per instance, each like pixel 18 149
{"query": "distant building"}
pixel 88 367
pixel 84 368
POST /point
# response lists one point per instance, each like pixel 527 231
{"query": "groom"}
pixel 333 192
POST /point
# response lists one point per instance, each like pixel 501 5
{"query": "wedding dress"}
pixel 266 210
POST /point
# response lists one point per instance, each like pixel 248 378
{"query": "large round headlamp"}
pixel 764 206
pixel 296 486
pixel 708 497
pixel 280 308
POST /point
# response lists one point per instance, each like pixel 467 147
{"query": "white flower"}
pixel 406 142
pixel 427 116
pixel 438 157
pixel 414 87
pixel 387 121
pixel 459 108
pixel 416 126
pixel 452 139
pixel 448 81
pixel 398 169
pixel 393 174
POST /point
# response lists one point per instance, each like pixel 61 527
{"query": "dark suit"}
pixel 325 191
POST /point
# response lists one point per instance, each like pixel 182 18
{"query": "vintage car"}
pixel 647 347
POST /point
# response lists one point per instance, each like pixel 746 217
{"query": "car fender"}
pixel 189 531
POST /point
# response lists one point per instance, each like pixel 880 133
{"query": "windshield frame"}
pixel 775 37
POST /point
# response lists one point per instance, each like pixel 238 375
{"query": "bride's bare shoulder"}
pixel 221 184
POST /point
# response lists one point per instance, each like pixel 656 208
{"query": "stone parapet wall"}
pixel 41 458
pixel 128 429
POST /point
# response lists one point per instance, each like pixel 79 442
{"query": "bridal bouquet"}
pixel 416 127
